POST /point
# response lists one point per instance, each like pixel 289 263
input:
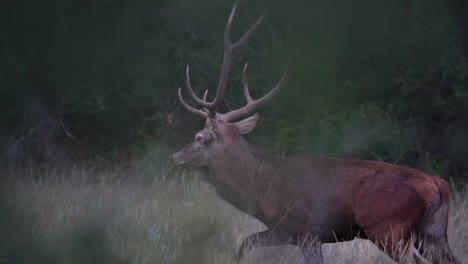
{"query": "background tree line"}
pixel 381 80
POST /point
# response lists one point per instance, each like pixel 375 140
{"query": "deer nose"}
pixel 177 160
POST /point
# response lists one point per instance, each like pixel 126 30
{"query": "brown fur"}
pixel 309 200
pixel 443 189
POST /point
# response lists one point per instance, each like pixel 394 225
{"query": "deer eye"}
pixel 199 138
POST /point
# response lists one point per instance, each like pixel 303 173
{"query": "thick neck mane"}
pixel 241 174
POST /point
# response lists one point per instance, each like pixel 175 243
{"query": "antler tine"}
pixel 253 104
pixel 247 34
pixel 246 84
pixel 204 100
pixel 227 29
pixel 198 112
pixel 189 88
pixel 229 48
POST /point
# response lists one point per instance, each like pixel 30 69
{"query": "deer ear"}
pixel 248 124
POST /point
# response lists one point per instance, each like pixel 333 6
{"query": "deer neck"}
pixel 240 175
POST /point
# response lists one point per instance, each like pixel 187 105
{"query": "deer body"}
pixel 308 200
pixel 323 199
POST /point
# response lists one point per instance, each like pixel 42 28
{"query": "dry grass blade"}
pixel 178 221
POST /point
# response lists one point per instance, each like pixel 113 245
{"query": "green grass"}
pixel 163 219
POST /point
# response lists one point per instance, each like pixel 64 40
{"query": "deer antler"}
pixel 198 112
pixel 209 108
pixel 229 49
pixel 251 103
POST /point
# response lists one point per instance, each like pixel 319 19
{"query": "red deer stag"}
pixel 309 200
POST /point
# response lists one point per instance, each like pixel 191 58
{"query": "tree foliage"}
pixel 375 79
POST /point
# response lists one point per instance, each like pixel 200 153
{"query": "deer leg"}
pixel 433 236
pixel 392 238
pixel 265 238
pixel 437 253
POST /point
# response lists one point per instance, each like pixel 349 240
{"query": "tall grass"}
pixel 168 218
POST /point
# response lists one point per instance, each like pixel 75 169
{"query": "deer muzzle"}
pixel 177 159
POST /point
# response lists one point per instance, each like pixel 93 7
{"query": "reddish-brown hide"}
pixel 308 200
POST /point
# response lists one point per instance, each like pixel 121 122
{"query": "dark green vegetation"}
pixel 376 79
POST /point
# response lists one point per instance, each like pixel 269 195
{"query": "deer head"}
pixel 221 130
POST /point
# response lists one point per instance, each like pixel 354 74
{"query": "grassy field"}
pixel 171 217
